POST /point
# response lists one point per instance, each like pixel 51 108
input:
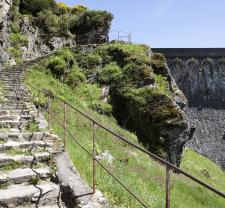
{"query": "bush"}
pixel 67 55
pixel 18 40
pixel 62 8
pixel 36 6
pixel 15 28
pixel 16 53
pixel 48 21
pixel 14 13
pixel 63 26
pixel 75 77
pixel 95 24
pixel 158 60
pixel 78 9
pixel 109 73
pixel 102 108
pixel 89 61
pixel 58 67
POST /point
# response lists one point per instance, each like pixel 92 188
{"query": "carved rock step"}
pixel 4 112
pixel 21 159
pixel 43 194
pixel 13 124
pixel 9 118
pixel 28 136
pixel 20 175
pixel 14 112
pixel 9 145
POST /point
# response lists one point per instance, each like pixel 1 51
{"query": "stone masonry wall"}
pixel 200 74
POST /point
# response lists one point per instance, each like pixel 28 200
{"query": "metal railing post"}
pixel 167 186
pixel 38 106
pixel 49 103
pixel 93 157
pixel 64 124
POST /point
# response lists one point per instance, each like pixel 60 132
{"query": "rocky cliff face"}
pixel 202 80
pixel 4 31
pixel 36 45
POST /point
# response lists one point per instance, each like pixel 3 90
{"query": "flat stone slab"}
pixel 39 157
pixel 15 195
pixel 70 179
pixel 23 145
pixel 24 175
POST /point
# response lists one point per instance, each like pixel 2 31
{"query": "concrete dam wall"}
pixel 200 74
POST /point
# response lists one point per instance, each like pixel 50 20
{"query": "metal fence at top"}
pixel 169 168
pixel 99 38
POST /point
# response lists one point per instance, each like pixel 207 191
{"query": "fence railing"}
pixel 170 168
pixel 99 38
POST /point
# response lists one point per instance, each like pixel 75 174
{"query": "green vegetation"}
pixel 60 19
pixel 32 127
pixel 136 90
pixel 17 40
pixel 141 174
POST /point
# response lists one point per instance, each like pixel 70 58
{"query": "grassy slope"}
pixel 142 175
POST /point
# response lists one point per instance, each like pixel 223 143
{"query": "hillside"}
pixel 144 176
pixel 65 52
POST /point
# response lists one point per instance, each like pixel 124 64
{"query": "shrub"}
pixel 14 13
pixel 78 9
pixel 95 23
pixel 63 27
pixel 62 8
pixel 15 28
pixel 135 74
pixel 158 60
pixel 102 108
pixel 18 40
pixel 67 55
pixel 89 61
pixel 36 6
pixel 16 53
pixel 75 77
pixel 58 67
pixel 48 21
pixel 109 73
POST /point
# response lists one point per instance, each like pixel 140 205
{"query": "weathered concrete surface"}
pixel 200 74
pixel 72 183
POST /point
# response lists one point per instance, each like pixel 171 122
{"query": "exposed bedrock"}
pixel 200 74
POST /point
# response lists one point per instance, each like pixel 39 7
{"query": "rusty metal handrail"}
pixel 168 165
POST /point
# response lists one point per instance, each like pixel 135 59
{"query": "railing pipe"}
pixel 49 103
pixel 94 156
pixel 64 124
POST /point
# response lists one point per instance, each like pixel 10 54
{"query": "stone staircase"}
pixel 27 166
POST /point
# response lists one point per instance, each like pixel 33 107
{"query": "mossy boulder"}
pixel 144 96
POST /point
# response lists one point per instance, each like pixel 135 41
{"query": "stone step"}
pixel 9 118
pixel 42 136
pixel 4 112
pixel 13 124
pixel 23 145
pixel 19 195
pixel 23 175
pixel 23 160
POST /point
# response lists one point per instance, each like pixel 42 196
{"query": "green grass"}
pixel 142 175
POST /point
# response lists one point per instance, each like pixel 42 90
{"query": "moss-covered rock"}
pixel 143 95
